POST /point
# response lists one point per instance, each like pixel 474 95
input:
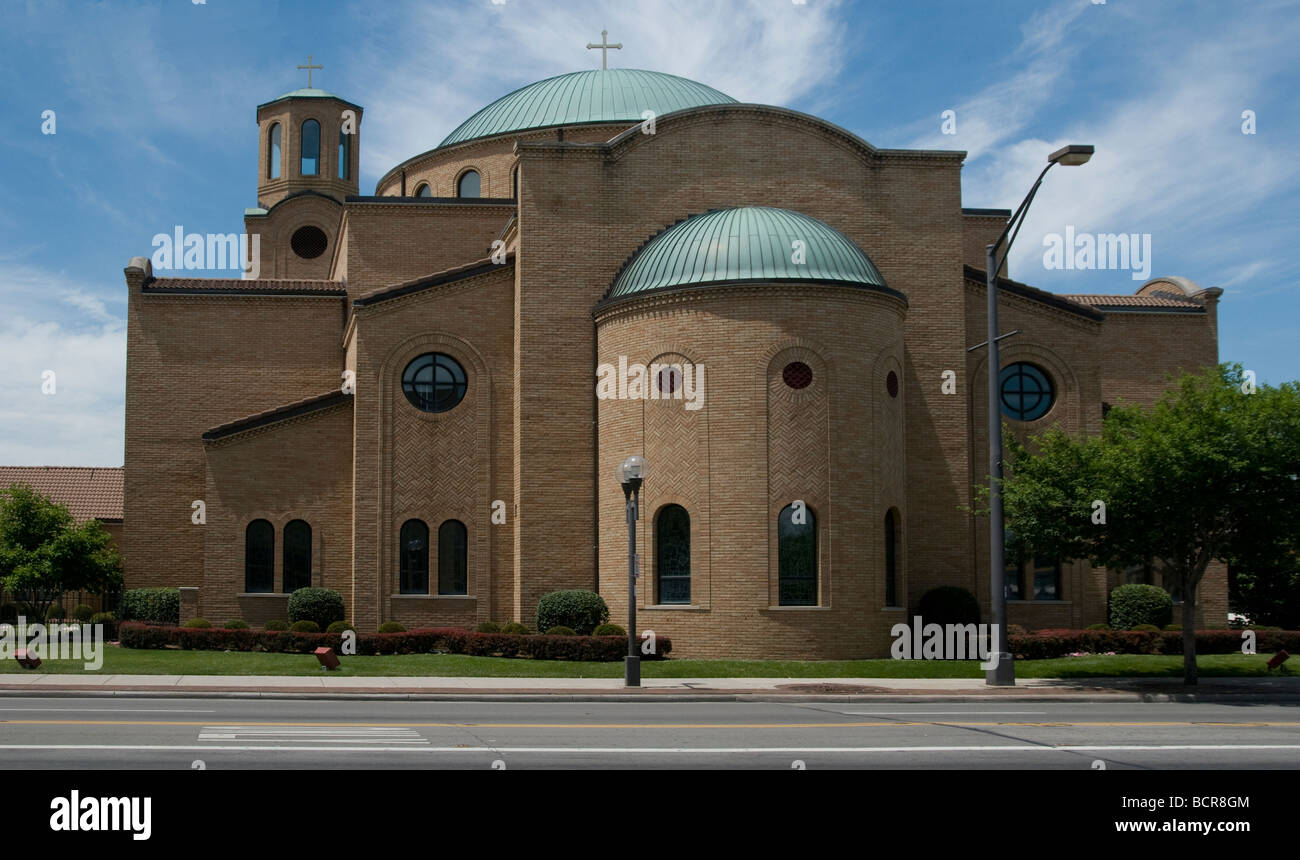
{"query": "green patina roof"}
pixel 606 95
pixel 749 243
pixel 307 93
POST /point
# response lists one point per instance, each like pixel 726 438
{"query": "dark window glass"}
pixel 414 548
pixel 259 557
pixel 434 382
pixel 891 384
pixel 1047 580
pixel 797 375
pixel 453 565
pixel 1014 580
pixel 469 184
pixel 310 148
pixel 514 183
pixel 343 155
pixel 673 554
pixel 797 558
pixel 1026 392
pixel 424 190
pixel 309 242
pixel 273 152
pixel 891 559
pixel 297 556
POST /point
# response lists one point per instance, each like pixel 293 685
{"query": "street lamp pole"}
pixel 630 473
pixel 1004 673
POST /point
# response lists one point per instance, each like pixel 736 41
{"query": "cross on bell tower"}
pixel 309 67
pixel 604 47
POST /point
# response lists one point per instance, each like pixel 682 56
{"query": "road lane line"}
pixel 655 750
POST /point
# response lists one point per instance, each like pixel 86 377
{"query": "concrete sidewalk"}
pixel 323 686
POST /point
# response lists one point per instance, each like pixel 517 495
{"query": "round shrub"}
pixel 82 613
pixel 54 613
pixel 581 610
pixel 198 623
pixel 1101 625
pixel 1131 605
pixel 304 626
pixel 276 625
pixel 515 628
pixel 236 624
pixel 948 604
pixel 152 605
pixel 340 626
pixel 323 606
pixel 560 630
pixel 1147 628
pixel 1017 630
pixel 103 618
pixel 1174 628
pixel 488 627
pixel 609 630
pixel 392 627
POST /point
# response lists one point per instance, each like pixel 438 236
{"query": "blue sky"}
pixel 154 111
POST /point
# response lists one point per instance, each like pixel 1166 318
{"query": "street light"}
pixel 630 473
pixel 1004 675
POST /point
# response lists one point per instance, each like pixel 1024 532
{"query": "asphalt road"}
pixel 98 732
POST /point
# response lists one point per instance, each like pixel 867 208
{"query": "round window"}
pixel 797 375
pixel 308 242
pixel 1026 391
pixel 434 382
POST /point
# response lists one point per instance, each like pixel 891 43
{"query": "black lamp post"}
pixel 1004 674
pixel 630 473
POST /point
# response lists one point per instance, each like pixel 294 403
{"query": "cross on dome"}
pixel 309 67
pixel 604 47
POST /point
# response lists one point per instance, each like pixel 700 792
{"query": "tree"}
pixel 1209 472
pixel 43 553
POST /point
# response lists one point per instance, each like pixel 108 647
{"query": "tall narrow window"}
pixel 343 155
pixel 1013 580
pixel 673 554
pixel 259 557
pixel 453 567
pixel 891 558
pixel 1047 580
pixel 414 548
pixel 469 184
pixel 514 184
pixel 273 152
pixel 310 165
pixel 297 556
pixel 796 537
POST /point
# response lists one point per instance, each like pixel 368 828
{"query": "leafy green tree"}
pixel 1208 472
pixel 43 553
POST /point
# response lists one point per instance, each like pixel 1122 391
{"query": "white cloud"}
pixel 422 69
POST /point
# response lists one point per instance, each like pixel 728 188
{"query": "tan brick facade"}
pixel 281 398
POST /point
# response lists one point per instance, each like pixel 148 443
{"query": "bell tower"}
pixel 308 140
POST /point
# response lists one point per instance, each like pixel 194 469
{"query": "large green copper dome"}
pixel 613 95
pixel 749 243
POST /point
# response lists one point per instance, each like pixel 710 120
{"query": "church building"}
pixel 421 397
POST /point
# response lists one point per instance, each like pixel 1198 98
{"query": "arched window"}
pixel 296 563
pixel 310 165
pixel 423 190
pixel 796 539
pixel 273 152
pixel 343 155
pixel 469 184
pixel 259 557
pixel 891 558
pixel 453 567
pixel 673 554
pixel 414 547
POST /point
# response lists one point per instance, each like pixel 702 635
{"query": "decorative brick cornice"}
pixel 281 414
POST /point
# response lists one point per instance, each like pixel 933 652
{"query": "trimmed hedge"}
pixel 109 620
pixel 392 627
pixel 198 623
pixel 1136 604
pixel 452 640
pixel 609 630
pixel 152 605
pixel 1047 644
pixel 82 613
pixel 561 630
pixel 516 628
pixel 324 606
pixel 306 625
pixel 277 625
pixel 581 610
pixel 340 626
pixel 237 624
pixel 488 627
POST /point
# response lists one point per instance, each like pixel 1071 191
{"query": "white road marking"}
pixel 117 710
pixel 938 713
pixel 657 750
pixel 315 734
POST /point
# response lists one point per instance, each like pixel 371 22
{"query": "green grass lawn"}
pixel 127 661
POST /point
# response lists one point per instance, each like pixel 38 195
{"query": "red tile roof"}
pixel 89 492
pixel 1136 301
pixel 262 286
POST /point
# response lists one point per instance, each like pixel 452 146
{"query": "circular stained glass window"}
pixel 434 382
pixel 797 375
pixel 1026 390
pixel 308 242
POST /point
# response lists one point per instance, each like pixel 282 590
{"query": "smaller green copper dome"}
pixel 605 95
pixel 749 243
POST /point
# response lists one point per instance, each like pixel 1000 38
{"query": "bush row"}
pixel 1046 644
pixel 450 640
